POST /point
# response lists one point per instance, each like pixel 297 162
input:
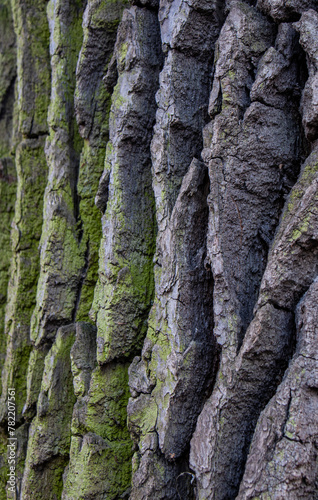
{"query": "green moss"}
pixel 91 161
pixel 108 14
pixel 306 177
pixel 62 259
pixel 58 233
pixel 135 462
pixel 97 467
pixel 231 75
pixel 301 225
pixel 122 53
pixel 53 482
pixel 301 228
pixel 226 100
pixel 7 200
pixel 123 299
pixel 31 169
pixel 91 168
pixel 3 463
pixel 32 31
pixel 108 397
pixel 31 28
pixel 101 119
pixel 21 435
pixel 118 101
pixel 66 41
pixel 50 436
pixel 101 463
pixel 31 172
pixel 101 459
pixel 7 75
pixel 145 418
pixel 129 295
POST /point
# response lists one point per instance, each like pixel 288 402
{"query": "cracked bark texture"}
pixel 159 248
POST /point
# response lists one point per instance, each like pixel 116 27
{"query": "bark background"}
pixel 159 248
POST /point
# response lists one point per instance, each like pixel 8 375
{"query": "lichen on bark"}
pixel 158 248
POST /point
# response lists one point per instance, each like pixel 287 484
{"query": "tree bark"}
pixel 159 249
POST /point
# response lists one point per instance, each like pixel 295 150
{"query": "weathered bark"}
pixel 159 249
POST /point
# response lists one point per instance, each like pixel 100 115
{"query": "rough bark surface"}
pixel 159 249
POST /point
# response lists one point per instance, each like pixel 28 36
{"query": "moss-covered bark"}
pixel 158 248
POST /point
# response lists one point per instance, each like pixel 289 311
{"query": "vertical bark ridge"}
pixel 124 290
pixel 7 169
pixel 30 128
pixel 284 443
pixel 166 382
pixel 247 380
pixel 92 106
pixel 59 276
pixel 8 130
pixel 60 266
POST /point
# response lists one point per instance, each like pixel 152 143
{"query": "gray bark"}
pixel 159 249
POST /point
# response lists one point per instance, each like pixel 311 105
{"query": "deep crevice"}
pixel 81 282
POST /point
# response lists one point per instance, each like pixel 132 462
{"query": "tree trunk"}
pixel 159 249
